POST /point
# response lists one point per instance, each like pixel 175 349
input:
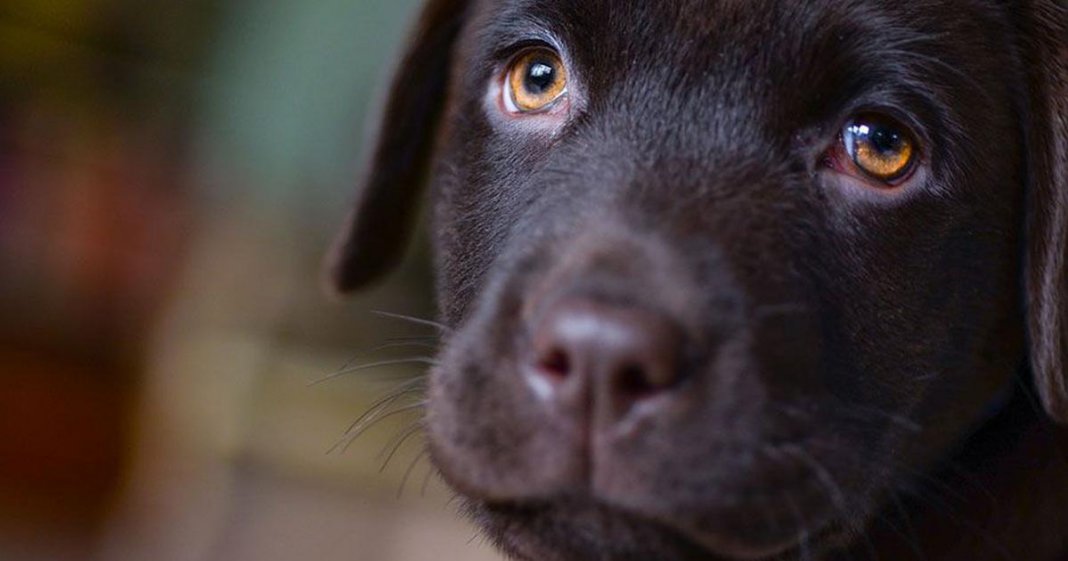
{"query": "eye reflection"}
pixel 880 147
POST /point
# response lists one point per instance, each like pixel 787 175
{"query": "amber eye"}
pixel 880 147
pixel 535 81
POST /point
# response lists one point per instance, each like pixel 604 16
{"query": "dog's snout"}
pixel 615 356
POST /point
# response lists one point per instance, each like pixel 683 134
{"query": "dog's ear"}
pixel 379 226
pixel 1047 252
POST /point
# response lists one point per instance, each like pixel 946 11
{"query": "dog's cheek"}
pixel 930 329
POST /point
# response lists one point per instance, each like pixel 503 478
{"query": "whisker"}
pixel 806 538
pixel 928 489
pixel 831 487
pixel 400 439
pixel 349 438
pixel 897 419
pixel 404 344
pixel 393 343
pixel 415 338
pixel 955 515
pixel 909 534
pixel 855 410
pixel 430 472
pixel 965 477
pixel 385 415
pixel 382 363
pixel 408 472
pixel 838 497
pixel 822 474
pixel 412 319
pixel 407 388
pixel 426 360
pixel 918 482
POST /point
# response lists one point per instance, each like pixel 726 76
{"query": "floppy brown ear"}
pixel 1047 257
pixel 379 226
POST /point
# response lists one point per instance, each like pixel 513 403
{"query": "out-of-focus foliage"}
pixel 170 173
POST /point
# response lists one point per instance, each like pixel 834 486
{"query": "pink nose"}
pixel 616 356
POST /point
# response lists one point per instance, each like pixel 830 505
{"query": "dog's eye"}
pixel 880 147
pixel 535 81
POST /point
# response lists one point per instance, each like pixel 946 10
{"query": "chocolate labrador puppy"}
pixel 740 279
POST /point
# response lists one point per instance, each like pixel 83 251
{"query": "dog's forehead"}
pixel 703 18
pixel 752 33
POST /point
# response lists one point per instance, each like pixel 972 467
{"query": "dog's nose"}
pixel 615 356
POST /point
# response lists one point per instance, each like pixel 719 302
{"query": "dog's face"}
pixel 720 275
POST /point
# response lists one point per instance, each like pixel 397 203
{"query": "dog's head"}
pixel 721 274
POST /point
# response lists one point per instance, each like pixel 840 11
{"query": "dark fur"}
pixel 864 376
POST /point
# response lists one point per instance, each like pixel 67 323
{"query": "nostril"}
pixel 633 382
pixel 555 364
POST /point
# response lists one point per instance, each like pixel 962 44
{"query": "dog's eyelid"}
pixel 503 54
pixel 507 42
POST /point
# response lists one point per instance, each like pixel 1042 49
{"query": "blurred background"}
pixel 170 174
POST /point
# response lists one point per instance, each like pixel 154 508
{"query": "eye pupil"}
pixel 540 77
pixel 885 141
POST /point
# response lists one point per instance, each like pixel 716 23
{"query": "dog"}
pixel 739 279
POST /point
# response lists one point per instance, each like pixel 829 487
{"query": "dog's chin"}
pixel 581 524
pixel 584 529
pixel 534 523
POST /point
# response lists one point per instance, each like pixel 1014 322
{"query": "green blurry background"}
pixel 170 174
